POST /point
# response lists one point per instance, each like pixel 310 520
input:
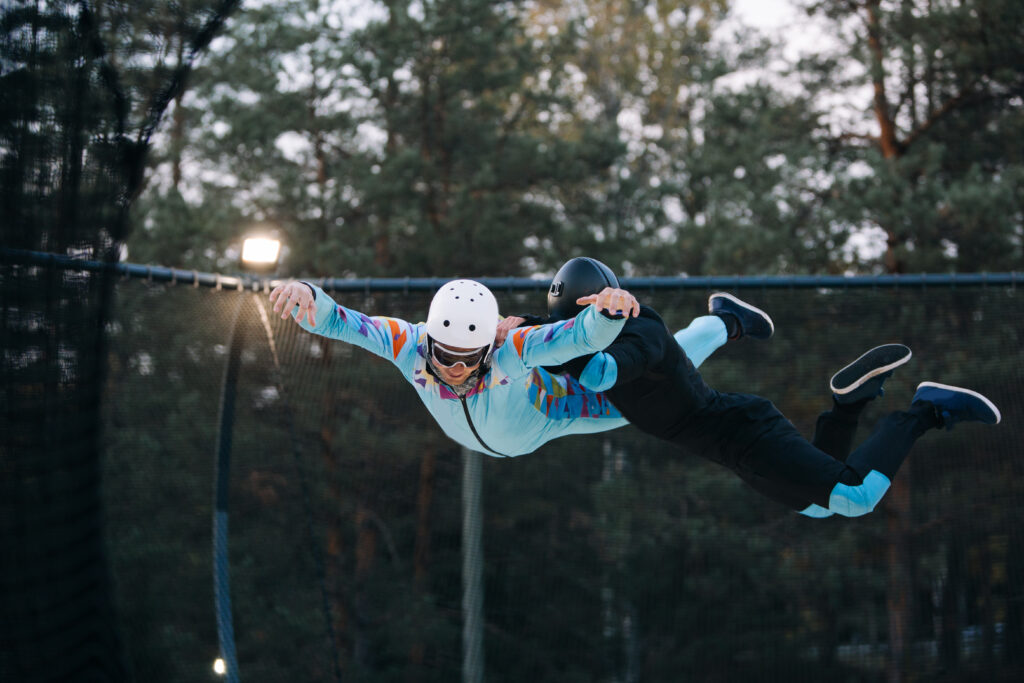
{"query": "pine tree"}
pixel 946 84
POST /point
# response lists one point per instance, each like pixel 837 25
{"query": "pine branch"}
pixel 949 106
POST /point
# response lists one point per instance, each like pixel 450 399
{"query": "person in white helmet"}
pixel 498 401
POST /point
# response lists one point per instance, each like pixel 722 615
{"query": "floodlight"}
pixel 260 252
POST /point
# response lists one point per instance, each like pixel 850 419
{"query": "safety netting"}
pixel 83 86
pixel 604 557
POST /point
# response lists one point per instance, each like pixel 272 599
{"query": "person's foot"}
pixel 863 378
pixel 955 404
pixel 747 321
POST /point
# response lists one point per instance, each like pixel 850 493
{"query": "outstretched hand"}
pixel 615 301
pixel 292 294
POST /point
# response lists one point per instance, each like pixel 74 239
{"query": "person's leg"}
pixel 748 435
pixel 751 437
pixel 835 428
pixel 878 459
pixel 701 338
pixel 852 388
pixel 730 318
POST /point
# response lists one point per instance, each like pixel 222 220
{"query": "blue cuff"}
pixel 601 372
pixel 854 501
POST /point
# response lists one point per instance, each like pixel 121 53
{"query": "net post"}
pixel 472 568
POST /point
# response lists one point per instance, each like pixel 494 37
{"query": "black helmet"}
pixel 580 276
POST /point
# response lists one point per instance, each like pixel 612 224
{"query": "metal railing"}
pixel 257 283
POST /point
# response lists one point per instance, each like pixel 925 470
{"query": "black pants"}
pixel 749 435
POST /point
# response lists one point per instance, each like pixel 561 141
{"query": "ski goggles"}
pixel 449 358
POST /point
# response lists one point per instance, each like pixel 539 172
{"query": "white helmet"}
pixel 463 314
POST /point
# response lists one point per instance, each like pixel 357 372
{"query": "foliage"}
pixel 946 88
pixel 607 557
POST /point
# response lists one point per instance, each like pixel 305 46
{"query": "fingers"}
pixel 306 310
pixel 289 296
pixel 634 306
pixel 615 301
pixel 504 327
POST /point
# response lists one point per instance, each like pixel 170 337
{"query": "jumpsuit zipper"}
pixel 465 409
pixel 469 420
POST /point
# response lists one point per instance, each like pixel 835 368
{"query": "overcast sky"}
pixel 764 13
pixel 781 19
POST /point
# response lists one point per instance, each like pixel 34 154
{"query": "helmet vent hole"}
pixel 447 323
pixel 472 328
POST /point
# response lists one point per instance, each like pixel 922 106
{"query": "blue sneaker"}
pixel 863 378
pixel 954 404
pixel 752 322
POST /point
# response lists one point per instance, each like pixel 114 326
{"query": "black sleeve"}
pixel 530 320
pixel 640 347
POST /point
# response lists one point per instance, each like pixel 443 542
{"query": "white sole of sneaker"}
pixel 874 373
pixel 744 304
pixel 975 394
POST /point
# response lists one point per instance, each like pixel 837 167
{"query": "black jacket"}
pixel 658 389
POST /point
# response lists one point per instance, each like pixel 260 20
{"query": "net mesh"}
pixel 84 86
pixel 605 557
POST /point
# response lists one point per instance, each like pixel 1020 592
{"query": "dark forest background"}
pixel 606 557
pixel 481 138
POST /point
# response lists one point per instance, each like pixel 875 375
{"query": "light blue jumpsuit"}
pixel 516 406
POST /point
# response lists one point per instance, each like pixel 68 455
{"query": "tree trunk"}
pixel 987 615
pixel 887 141
pixel 177 126
pixel 366 556
pixel 1014 628
pixel 951 620
pixel 900 581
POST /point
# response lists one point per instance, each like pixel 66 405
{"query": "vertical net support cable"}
pixel 303 485
pixel 221 567
pixel 472 568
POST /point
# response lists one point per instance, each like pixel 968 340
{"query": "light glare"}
pixel 260 250
pixel 218 666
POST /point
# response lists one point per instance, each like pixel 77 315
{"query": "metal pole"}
pixel 221 572
pixel 472 568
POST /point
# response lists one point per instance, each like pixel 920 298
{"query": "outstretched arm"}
pixel 555 343
pixel 317 312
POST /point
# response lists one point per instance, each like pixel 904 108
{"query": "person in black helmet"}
pixel 653 383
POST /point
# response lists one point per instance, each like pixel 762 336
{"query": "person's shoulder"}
pixel 648 316
pixel 648 312
pixel 533 320
pixel 648 326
